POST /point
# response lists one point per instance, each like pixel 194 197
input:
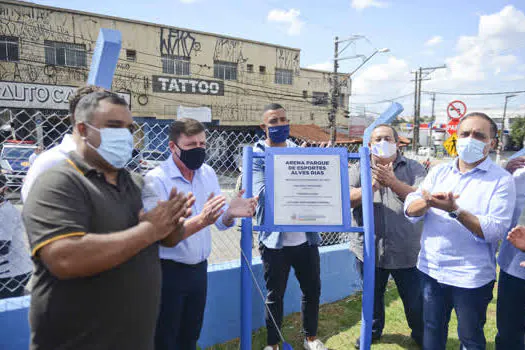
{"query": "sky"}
pixel 481 42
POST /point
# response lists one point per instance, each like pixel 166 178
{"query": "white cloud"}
pixel 380 81
pixel 489 60
pixel 363 4
pixel 327 66
pixel 289 18
pixel 435 40
pixel 484 56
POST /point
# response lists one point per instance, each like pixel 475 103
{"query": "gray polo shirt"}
pixel 397 240
pixel 116 309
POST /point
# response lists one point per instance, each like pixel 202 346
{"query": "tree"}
pixel 517 131
pixel 427 119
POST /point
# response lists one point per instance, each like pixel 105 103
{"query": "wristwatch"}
pixel 454 213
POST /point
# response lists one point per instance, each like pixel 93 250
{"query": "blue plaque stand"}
pixel 368 220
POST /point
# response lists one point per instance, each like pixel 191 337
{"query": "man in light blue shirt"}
pixel 184 267
pixel 282 250
pixel 511 284
pixel 467 209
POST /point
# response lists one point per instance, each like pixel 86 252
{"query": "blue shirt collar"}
pixel 483 166
pixel 174 171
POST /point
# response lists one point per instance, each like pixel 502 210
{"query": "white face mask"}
pixel 116 145
pixel 384 149
pixel 470 150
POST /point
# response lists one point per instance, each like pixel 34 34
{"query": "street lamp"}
pixel 500 132
pixel 383 50
pixel 335 82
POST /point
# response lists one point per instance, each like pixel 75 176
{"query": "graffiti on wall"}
pixel 135 84
pixel 44 73
pixel 235 112
pixel 32 24
pixel 288 59
pixel 177 42
pixel 228 50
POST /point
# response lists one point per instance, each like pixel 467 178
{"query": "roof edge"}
pixel 85 13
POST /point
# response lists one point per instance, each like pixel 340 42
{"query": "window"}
pixel 131 55
pixel 177 65
pixel 8 48
pixel 65 54
pixel 320 98
pixel 262 69
pixel 225 70
pixel 342 100
pixel 283 76
pixel 249 68
pixel 305 94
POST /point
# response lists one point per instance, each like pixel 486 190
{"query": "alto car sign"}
pixel 187 86
pixel 39 96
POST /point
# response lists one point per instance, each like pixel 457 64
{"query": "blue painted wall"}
pixel 339 279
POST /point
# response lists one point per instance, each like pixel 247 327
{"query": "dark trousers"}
pixel 511 313
pixel 306 263
pixel 183 299
pixel 409 288
pixel 471 310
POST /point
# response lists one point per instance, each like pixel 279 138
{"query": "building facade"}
pixel 45 53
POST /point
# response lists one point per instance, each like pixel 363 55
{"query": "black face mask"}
pixel 192 158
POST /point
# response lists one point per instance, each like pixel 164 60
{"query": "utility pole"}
pixel 335 94
pixel 335 90
pixel 500 132
pixel 416 96
pixel 433 118
pixel 417 102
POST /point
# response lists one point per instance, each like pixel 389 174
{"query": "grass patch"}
pixel 340 324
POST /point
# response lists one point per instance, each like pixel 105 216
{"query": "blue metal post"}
pixel 246 247
pixel 105 58
pixel 369 249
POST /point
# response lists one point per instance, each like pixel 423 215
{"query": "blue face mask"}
pixel 470 150
pixel 116 145
pixel 279 133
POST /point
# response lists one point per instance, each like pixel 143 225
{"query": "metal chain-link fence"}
pixel 22 132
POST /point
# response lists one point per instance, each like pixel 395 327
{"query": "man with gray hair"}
pixel 97 275
pixel 397 239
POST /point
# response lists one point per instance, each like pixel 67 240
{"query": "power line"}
pixel 142 70
pixel 475 93
pixel 385 100
pixel 138 51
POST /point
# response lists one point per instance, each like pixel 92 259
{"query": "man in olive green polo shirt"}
pixel 97 273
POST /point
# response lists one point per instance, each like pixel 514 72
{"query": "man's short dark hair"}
pixel 186 126
pixel 88 104
pixel 79 93
pixel 493 126
pixel 394 131
pixel 272 107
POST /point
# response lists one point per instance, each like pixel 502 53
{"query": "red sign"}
pixel 456 109
pixel 452 126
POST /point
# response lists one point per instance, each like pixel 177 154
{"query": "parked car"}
pixel 14 162
pixel 150 159
pixel 425 151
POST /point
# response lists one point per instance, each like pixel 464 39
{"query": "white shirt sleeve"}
pixel 152 192
pixel 42 163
